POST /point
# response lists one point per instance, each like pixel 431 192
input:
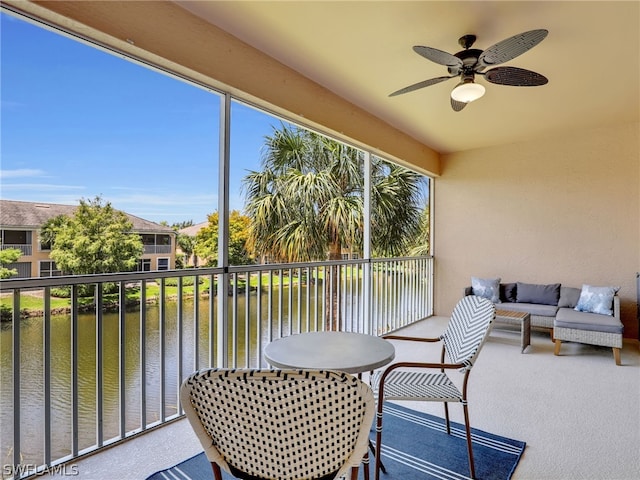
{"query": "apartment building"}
pixel 20 223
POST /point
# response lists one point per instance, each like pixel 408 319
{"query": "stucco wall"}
pixel 558 210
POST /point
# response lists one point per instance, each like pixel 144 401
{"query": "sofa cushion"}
pixel 487 288
pixel 596 300
pixel 569 297
pixel 508 292
pixel 531 308
pixel 570 318
pixel 534 293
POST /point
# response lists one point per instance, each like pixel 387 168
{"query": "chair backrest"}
pixel 285 424
pixel 468 329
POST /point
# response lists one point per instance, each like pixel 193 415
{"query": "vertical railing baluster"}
pixel 393 293
pixel 99 364
pixel 74 370
pixel 143 355
pixel 259 317
pixel 213 328
pixel 351 295
pixel 412 290
pixel 299 299
pixel 400 288
pixel 384 285
pixel 316 282
pixel 290 301
pixel 247 321
pixel 46 334
pixel 179 327
pixel 308 298
pixel 122 349
pixel 233 278
pixel 325 286
pixel 329 301
pixel 280 302
pixel 163 352
pixel 17 447
pixel 270 306
pixel 196 323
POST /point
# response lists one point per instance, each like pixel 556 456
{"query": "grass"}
pixel 32 301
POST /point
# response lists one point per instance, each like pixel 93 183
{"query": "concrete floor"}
pixel 578 412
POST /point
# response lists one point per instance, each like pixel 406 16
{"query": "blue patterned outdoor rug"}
pixel 415 446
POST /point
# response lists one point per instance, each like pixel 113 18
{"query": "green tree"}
pixel 306 204
pixel 180 225
pixel 185 242
pixel 206 242
pixel 10 255
pixel 422 245
pixel 187 245
pixel 96 239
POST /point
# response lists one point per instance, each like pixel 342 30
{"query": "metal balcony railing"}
pixel 24 248
pixel 86 372
pixel 151 249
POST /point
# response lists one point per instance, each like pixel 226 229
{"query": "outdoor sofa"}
pixel 589 315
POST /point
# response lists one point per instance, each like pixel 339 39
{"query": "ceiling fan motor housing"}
pixel 469 60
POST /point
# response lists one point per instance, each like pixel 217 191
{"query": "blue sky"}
pixel 77 122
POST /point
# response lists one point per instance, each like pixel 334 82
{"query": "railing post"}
pixel 367 318
pixel 163 349
pixel 17 450
pixel 179 327
pixel 223 229
pixel 74 371
pixel 122 296
pixel 143 354
pixel 46 333
pixel 99 364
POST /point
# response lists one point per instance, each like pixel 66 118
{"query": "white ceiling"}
pixel 362 51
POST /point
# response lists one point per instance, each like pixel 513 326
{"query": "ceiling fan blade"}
pixel 511 47
pixel 424 83
pixel 457 106
pixel 517 77
pixel 438 56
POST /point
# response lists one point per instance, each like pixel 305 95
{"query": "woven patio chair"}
pixel 280 424
pixel 462 340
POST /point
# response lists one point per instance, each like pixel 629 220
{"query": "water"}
pixel 243 347
pixel 256 323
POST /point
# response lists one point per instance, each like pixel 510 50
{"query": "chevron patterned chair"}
pixel 462 340
pixel 280 424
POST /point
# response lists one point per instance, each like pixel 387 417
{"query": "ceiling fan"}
pixel 470 62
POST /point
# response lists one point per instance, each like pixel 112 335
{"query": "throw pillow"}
pixel 508 292
pixel 569 297
pixel 596 299
pixel 487 288
pixel 540 294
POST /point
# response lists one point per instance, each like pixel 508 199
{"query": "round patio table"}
pixel 343 351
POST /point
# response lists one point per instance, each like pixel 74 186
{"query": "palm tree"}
pixel 306 204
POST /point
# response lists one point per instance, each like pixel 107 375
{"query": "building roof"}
pixel 193 230
pixel 32 215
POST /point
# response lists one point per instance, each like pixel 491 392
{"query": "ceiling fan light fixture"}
pixel 467 91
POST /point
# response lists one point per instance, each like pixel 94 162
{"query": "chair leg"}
pixel 377 460
pixel 472 469
pixel 217 475
pixel 446 417
pixel 616 355
pixel 373 451
pixel 556 351
pixel 354 473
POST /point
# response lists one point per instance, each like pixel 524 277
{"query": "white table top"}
pixel 343 351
